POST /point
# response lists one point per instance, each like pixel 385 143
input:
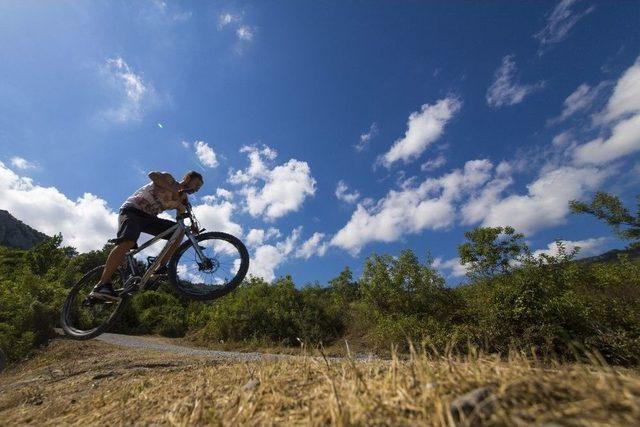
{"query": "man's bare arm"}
pixel 164 180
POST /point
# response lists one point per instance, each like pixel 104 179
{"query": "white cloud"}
pixel 588 247
pixel 562 139
pixel 504 89
pixel 433 164
pixel 258 159
pixel 580 99
pixel 134 94
pixel 264 262
pixel 227 18
pixel 430 205
pixel 173 14
pixel 266 258
pixel 315 245
pixel 423 128
pixel 284 189
pixel 456 269
pixel 620 118
pixel 223 193
pixel 257 236
pixel 85 223
pixel 217 216
pixel 625 99
pixel 561 20
pixel 342 193
pixel 475 209
pixel 244 32
pixel 205 154
pixel 624 139
pixel 185 144
pixel 366 137
pixel 209 198
pixel 546 203
pixel 182 16
pixel 22 163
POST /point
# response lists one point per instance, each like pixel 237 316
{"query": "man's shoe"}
pixel 105 292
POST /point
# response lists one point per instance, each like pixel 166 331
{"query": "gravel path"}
pixel 147 343
pixel 153 343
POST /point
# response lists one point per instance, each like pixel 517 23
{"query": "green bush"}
pixel 277 313
pixel 554 303
pixel 158 313
pixel 29 301
pixel 403 300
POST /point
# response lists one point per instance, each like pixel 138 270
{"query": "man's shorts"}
pixel 132 222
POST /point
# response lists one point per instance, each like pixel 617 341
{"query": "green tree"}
pixel 402 299
pixel 491 250
pixel 610 209
pixel 343 288
pixel 378 290
pixel 48 255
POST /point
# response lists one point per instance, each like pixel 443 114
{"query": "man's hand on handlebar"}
pixel 184 211
pixel 194 228
pixel 184 208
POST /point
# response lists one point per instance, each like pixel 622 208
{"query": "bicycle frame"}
pixel 175 232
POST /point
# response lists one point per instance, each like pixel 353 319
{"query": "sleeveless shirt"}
pixel 151 199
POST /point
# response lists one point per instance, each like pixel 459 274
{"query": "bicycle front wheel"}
pixel 225 264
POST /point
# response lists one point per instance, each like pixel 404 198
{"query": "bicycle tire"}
pixel 219 291
pixel 65 314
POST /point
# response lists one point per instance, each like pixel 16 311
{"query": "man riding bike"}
pixel 138 214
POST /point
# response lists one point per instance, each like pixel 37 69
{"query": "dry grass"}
pixel 95 383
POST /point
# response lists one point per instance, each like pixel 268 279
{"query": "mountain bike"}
pixel 205 267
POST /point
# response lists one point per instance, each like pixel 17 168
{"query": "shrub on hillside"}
pixel 403 300
pixel 158 312
pixel 262 312
pixel 552 303
pixel 29 300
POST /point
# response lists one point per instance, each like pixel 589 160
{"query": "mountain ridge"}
pixel 16 234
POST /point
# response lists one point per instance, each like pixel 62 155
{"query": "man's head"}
pixel 192 182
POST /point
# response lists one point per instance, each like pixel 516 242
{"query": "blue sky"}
pixel 325 131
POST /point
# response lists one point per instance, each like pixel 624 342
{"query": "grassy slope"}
pixel 95 383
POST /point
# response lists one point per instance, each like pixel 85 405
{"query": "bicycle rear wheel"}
pixel 83 317
pixel 225 265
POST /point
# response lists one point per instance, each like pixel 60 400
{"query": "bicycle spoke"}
pixel 221 263
pixel 86 313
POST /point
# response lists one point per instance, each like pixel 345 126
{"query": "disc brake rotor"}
pixel 209 265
